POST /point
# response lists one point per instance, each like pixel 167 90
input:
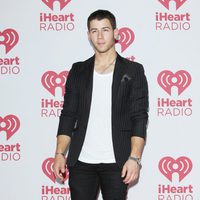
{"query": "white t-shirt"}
pixel 98 145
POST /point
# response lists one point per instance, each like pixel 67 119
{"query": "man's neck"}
pixel 105 62
pixel 103 59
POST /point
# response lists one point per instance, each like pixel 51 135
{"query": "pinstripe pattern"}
pixel 129 106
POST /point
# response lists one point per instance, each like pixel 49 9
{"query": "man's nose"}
pixel 100 34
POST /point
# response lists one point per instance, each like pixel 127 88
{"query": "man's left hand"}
pixel 130 171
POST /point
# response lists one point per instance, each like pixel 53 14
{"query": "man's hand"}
pixel 130 171
pixel 59 167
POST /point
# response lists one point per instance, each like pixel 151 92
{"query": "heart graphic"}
pixel 126 38
pixel 10 124
pixel 166 3
pixel 50 3
pixel 51 80
pixel 168 166
pixel 10 39
pixel 47 167
pixel 167 79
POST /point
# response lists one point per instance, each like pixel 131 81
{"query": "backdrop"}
pixel 39 41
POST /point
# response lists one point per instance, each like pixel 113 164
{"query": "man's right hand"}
pixel 59 166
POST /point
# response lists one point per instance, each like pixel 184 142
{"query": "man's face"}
pixel 102 35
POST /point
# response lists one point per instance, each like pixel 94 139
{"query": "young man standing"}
pixel 104 118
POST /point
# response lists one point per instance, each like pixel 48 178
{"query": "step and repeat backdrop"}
pixel 39 42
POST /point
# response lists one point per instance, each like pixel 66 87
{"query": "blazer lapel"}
pixel 117 76
pixel 89 85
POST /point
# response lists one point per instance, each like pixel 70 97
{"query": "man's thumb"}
pixel 123 172
pixel 63 170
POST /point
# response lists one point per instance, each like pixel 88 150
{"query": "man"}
pixel 104 118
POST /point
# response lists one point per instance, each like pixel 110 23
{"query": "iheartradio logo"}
pixel 126 38
pixel 167 79
pixel 9 38
pixel 51 80
pixel 167 3
pixel 10 124
pixel 47 167
pixel 50 3
pixel 182 166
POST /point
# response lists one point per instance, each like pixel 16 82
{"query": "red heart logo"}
pixel 126 38
pixel 50 3
pixel 11 38
pixel 168 166
pixel 166 3
pixel 51 80
pixel 10 124
pixel 47 167
pixel 167 79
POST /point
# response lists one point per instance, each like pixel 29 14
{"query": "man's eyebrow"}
pixel 101 28
pixel 106 27
pixel 92 29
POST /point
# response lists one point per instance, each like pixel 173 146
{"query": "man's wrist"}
pixel 59 153
pixel 136 159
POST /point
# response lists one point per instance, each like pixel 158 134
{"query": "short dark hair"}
pixel 102 14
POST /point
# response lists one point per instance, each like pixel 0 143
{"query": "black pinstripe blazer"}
pixel 129 106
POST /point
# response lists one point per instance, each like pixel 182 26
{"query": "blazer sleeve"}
pixel 139 103
pixel 68 115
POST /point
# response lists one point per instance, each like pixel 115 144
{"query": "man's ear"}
pixel 88 34
pixel 89 39
pixel 116 34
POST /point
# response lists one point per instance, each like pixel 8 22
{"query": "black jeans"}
pixel 86 179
